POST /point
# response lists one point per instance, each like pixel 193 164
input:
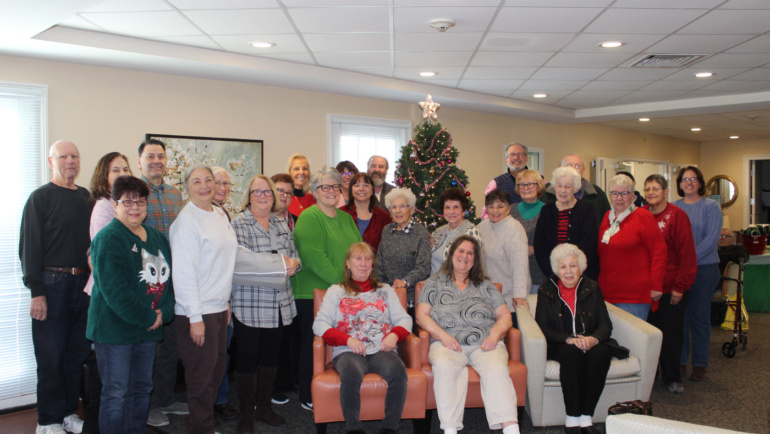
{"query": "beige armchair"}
pixel 627 379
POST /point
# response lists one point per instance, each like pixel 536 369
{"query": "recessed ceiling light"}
pixel 612 44
pixel 428 74
pixel 733 137
pixel 704 74
pixel 696 129
pixel 540 95
pixel 644 119
pixel 262 44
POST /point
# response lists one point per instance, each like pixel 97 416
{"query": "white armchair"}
pixel 627 379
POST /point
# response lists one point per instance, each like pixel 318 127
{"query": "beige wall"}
pixel 106 109
pixel 727 158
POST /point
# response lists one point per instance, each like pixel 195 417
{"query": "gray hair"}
pixel 369 162
pixel 566 250
pixel 192 169
pixel 403 193
pixel 323 174
pixel 660 179
pixel 505 152
pixel 568 172
pixel 216 170
pixel 564 159
pixel 623 181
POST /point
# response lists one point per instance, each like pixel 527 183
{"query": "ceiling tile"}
pixel 719 73
pixel 638 73
pixel 754 74
pixel 467 19
pixel 223 4
pixel 541 20
pixel 444 73
pixel 240 44
pixel 193 41
pixel 676 85
pixel 382 72
pixel 746 4
pixel 649 96
pixel 589 43
pixel 643 21
pixel 508 86
pixel 736 60
pixel 738 86
pixel 510 59
pixel 143 24
pixel 531 42
pixel 331 3
pixel 730 22
pixel 667 4
pixel 697 44
pixel 354 60
pixel 331 42
pixel 586 99
pixel 553 96
pixel 412 3
pixel 78 22
pixel 759 44
pixel 550 86
pixel 289 57
pixel 616 85
pixel 429 61
pixel 586 60
pixel 128 6
pixel 558 3
pixel 707 93
pixel 241 22
pixel 437 41
pixel 494 72
pixel 341 20
pixel 568 73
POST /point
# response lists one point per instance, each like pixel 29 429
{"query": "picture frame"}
pixel 242 159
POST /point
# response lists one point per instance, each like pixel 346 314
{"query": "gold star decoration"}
pixel 429 108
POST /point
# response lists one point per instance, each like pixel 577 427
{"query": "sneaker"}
pixel 156 418
pixel 225 411
pixel 307 405
pixel 675 387
pixel 73 424
pixel 176 408
pixel 50 429
pixel 279 398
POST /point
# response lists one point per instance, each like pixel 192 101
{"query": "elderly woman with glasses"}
pixel 131 299
pixel 632 253
pixel 404 252
pixel 530 188
pixel 347 170
pixel 706 219
pixel 204 247
pixel 567 220
pixel 322 236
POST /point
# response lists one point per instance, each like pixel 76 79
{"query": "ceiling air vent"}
pixel 667 60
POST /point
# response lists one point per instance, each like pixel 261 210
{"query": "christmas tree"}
pixel 428 166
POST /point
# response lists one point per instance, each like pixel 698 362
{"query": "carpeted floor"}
pixel 736 395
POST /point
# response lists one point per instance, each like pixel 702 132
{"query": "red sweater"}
pixel 634 262
pixel 300 203
pixel 682 263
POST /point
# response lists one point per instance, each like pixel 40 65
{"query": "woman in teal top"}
pixel 322 237
pixel 530 186
pixel 131 299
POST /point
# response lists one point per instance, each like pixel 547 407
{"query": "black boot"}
pixel 265 411
pixel 246 384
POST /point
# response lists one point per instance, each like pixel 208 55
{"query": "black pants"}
pixel 257 346
pixel 582 376
pixel 670 320
pixel 305 322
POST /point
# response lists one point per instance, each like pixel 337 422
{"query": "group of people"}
pixel 162 286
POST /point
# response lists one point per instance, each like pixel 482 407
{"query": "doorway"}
pixel 758 184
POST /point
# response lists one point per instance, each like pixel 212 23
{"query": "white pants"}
pixel 450 383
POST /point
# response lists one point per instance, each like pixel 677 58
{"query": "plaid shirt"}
pixel 408 227
pixel 163 205
pixel 256 306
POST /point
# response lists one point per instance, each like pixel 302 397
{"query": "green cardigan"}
pixel 322 243
pixel 122 298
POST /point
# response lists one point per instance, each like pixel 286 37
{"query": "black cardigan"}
pixel 583 232
pixel 555 318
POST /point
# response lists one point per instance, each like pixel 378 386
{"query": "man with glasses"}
pixel 53 246
pixel 163 205
pixel 377 168
pixel 516 159
pixel 588 192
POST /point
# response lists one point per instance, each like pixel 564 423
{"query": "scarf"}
pixel 615 223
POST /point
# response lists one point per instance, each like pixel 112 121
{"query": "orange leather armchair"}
pixel 473 398
pixel 325 386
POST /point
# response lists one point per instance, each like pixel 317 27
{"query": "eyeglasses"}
pixel 575 165
pixel 348 173
pixel 282 192
pixel 258 193
pixel 326 188
pixel 689 180
pixel 622 194
pixel 725 236
pixel 651 189
pixel 223 184
pixel 516 154
pixel 398 207
pixel 130 203
pixel 527 185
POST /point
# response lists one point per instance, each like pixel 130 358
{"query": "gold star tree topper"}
pixel 429 108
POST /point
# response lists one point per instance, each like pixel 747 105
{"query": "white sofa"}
pixel 627 379
pixel 638 424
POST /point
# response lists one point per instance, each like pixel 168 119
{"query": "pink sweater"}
pixel 101 216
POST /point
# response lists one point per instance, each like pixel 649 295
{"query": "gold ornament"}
pixel 429 108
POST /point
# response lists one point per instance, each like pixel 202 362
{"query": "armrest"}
pixel 643 340
pixel 513 343
pixel 533 355
pixel 424 344
pixel 409 350
pixel 319 355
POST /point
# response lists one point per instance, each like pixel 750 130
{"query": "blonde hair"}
pixel 350 286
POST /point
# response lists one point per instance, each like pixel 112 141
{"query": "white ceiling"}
pixel 497 56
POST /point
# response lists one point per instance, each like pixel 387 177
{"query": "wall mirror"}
pixel 724 187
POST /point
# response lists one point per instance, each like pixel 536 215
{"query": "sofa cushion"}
pixel 618 368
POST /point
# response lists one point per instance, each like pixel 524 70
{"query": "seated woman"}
pixel 466 318
pixel 364 320
pixel 574 319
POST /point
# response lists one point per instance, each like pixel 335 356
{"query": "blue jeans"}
pixel 639 310
pixel 697 318
pixel 61 346
pixel 126 372
pixel 224 388
pixel 352 368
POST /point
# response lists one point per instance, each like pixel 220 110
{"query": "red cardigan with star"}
pixel 682 263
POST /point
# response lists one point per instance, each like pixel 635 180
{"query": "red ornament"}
pixel 468 193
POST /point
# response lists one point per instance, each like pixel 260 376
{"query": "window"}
pixel 22 133
pixel 357 138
